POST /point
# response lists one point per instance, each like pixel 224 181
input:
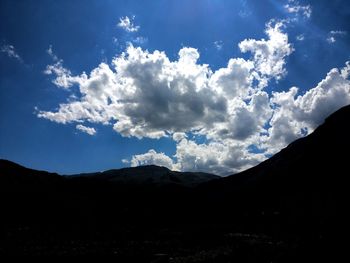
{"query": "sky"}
pixel 193 85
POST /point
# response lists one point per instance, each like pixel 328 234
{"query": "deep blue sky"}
pixel 83 33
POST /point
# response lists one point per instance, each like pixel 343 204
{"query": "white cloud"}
pixel 127 24
pixel 294 7
pixel 94 106
pixel 88 130
pixel 235 80
pixel 334 34
pixel 219 157
pixel 294 115
pixel 331 39
pixel 125 161
pixel 152 157
pixel 145 94
pixel 160 95
pixel 178 136
pixel 64 78
pixel 11 52
pixel 269 55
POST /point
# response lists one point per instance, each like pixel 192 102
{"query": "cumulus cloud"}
pixel 234 80
pixel 152 157
pixel 289 116
pixel 127 24
pixel 88 130
pixel 220 157
pixel 178 136
pixel 269 55
pixel 295 116
pixel 294 7
pixel 145 94
pixel 11 52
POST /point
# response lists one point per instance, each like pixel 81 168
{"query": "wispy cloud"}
pixel 334 34
pixel 140 40
pixel 127 24
pixel 218 44
pixel 294 7
pixel 11 52
pixel 64 78
pixel 51 53
pixel 245 10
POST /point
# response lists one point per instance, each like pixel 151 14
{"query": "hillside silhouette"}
pixel 289 205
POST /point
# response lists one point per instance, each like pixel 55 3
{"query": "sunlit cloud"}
pixel 145 94
pixel 88 130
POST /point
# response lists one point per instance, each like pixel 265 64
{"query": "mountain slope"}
pixel 302 190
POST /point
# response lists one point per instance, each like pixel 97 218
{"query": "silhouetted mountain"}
pixel 150 174
pixel 292 203
pixel 15 174
pixel 14 177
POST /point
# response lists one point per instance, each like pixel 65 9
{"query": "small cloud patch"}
pixel 88 130
pixel 127 24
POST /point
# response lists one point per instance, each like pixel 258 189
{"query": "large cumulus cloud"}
pixel 145 94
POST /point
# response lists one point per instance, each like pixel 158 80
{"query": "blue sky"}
pixel 192 85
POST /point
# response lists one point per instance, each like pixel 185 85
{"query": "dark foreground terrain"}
pixel 290 208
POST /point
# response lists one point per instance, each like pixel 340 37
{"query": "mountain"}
pixel 292 203
pixel 15 174
pixel 14 177
pixel 150 174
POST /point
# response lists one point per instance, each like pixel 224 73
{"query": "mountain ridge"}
pixel 146 174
